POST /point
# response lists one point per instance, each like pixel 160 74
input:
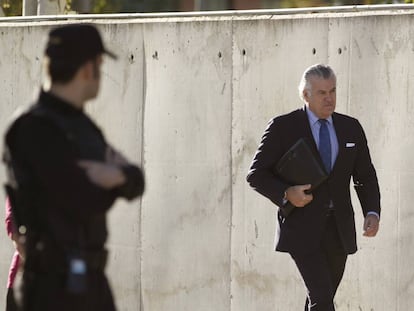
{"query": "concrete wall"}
pixel 189 99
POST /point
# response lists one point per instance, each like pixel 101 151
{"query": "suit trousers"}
pixel 322 270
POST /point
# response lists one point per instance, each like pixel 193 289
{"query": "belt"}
pixel 56 261
pixel 96 260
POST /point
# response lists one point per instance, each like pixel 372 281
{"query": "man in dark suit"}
pixel 320 232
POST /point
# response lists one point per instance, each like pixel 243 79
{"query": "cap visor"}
pixel 110 54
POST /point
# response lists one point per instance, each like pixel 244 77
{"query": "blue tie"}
pixel 325 144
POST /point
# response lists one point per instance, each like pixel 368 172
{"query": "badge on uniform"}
pixel 76 280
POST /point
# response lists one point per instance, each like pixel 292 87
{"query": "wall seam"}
pixel 399 242
pixel 231 163
pixel 348 108
pixel 144 96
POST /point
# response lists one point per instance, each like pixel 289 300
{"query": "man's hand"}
pixel 371 225
pixel 297 196
pixel 105 175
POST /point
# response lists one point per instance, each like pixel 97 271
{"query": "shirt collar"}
pixel 56 103
pixel 313 118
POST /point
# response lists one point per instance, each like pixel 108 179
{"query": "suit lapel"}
pixel 307 132
pixel 340 130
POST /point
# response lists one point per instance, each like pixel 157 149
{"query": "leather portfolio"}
pixel 300 165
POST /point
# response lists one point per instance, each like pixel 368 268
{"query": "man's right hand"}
pixel 297 196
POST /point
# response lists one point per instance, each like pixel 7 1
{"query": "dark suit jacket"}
pixel 302 230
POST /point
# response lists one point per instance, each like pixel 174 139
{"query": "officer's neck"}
pixel 69 93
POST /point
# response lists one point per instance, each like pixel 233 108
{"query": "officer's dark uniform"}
pixel 68 216
pixel 63 211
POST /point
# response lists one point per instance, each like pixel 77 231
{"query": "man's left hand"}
pixel 371 225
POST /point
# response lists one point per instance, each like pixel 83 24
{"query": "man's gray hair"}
pixel 318 71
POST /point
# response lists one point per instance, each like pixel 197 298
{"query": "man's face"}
pixel 321 99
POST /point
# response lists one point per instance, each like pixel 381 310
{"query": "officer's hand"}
pixel 371 225
pixel 115 157
pixel 19 242
pixel 105 175
pixel 297 196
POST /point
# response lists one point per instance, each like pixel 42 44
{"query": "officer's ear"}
pixel 86 70
pixel 97 62
pixel 92 68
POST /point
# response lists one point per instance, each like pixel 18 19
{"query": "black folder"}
pixel 300 166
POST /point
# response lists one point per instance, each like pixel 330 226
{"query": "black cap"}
pixel 75 43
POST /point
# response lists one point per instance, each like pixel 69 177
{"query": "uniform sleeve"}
pixel 42 148
pixel 134 185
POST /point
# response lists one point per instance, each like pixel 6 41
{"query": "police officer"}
pixel 64 177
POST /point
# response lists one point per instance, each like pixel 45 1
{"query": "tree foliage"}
pixel 106 6
pixel 11 7
pixel 14 7
pixel 315 3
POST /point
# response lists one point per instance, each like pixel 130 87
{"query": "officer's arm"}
pixel 134 182
pixel 126 179
pixel 45 151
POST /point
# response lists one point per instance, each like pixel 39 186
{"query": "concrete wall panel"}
pixel 186 211
pixel 405 273
pixel 404 193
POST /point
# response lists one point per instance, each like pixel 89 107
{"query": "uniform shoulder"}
pixel 27 122
pixel 18 119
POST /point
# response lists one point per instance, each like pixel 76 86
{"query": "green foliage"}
pixel 11 7
pixel 106 6
pixel 315 3
pixel 14 7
